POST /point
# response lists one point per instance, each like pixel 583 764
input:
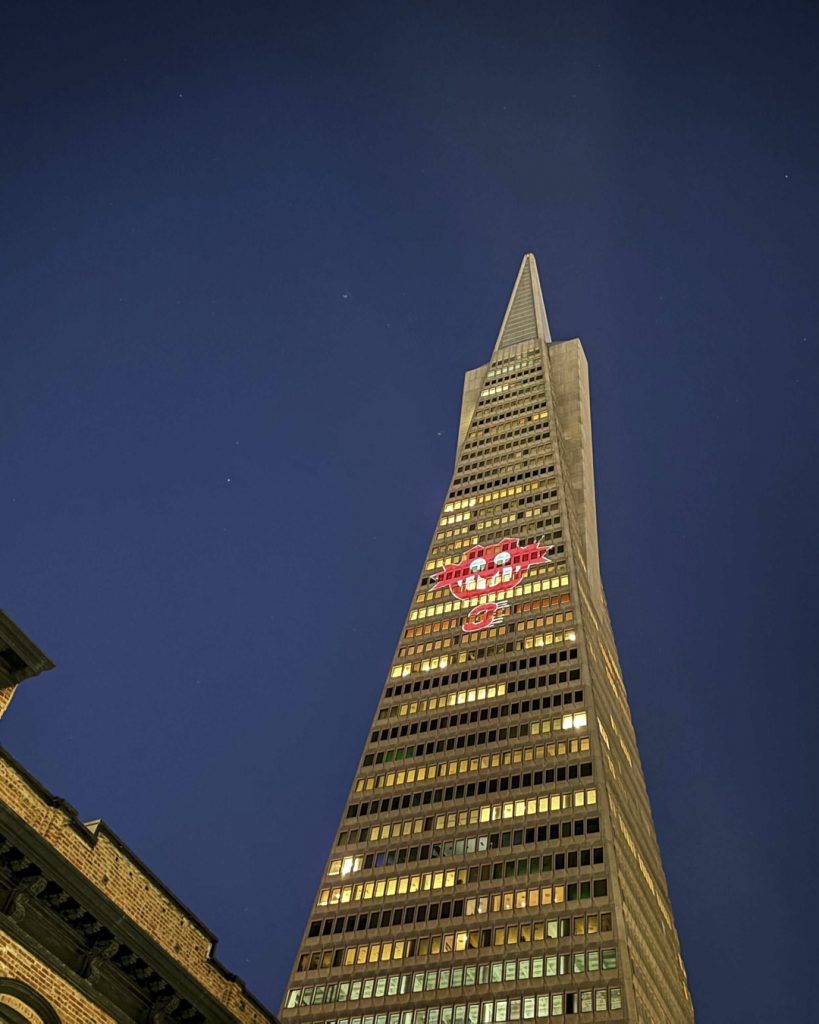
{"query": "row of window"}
pixel 450 878
pixel 511 445
pixel 501 442
pixel 490 736
pixel 557 723
pixel 522 389
pixel 496 416
pixel 490 713
pixel 502 424
pixel 504 375
pixel 474 844
pixel 515 394
pixel 512 685
pixel 505 427
pixel 452 550
pixel 491 840
pixel 503 492
pixel 504 366
pixel 512 900
pixel 530 368
pixel 503 572
pixel 488 691
pixel 468 765
pixel 509 440
pixel 503 437
pixel 489 435
pixel 518 608
pixel 539 573
pixel 546 620
pixel 516 430
pixel 483 517
pixel 393 917
pixel 444 979
pixel 498 1011
pixel 538 682
pixel 498 458
pixel 523 366
pixel 491 650
pixel 545 702
pixel 494 458
pixel 505 811
pixel 529 474
pixel 516 508
pixel 508 401
pixel 439 626
pixel 523 521
pixel 518 457
pixel 458 638
pixel 484 715
pixel 445 625
pixel 489 478
pixel 575 720
pixel 494 516
pixel 526 644
pixel 519 868
pixel 447 943
pixel 447 552
pixel 494 389
pixel 468 790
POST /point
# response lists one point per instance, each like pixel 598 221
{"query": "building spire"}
pixel 525 317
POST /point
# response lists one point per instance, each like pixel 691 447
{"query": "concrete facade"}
pixel 496 859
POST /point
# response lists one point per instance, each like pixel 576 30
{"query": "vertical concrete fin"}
pixel 569 373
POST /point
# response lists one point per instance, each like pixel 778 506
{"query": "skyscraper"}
pixel 496 859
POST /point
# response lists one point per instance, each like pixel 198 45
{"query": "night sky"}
pixel 248 251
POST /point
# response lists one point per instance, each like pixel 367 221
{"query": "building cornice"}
pixel 20 657
pixel 51 907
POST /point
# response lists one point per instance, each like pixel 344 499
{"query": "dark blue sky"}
pixel 248 251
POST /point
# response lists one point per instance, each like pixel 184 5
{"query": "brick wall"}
pixel 70 1005
pixel 5 697
pixel 105 862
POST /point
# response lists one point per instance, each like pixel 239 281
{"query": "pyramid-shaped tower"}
pixel 496 858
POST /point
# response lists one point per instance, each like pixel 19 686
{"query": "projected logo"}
pixel 489 570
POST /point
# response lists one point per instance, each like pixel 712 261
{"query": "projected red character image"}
pixel 490 569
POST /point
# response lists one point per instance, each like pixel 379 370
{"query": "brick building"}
pixel 87 932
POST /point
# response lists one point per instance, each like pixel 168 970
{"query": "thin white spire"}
pixel 525 317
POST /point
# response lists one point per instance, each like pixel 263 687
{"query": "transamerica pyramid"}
pixel 496 859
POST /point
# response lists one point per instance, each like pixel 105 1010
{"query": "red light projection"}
pixel 484 615
pixel 489 569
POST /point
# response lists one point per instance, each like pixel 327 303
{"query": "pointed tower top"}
pixel 525 317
